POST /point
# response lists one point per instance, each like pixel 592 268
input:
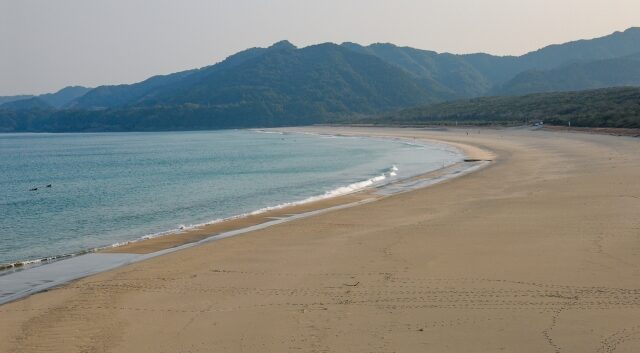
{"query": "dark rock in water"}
pixel 49 185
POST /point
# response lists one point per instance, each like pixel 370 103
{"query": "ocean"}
pixel 109 188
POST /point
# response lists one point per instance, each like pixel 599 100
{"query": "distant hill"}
pixel 474 75
pixel 7 99
pixel 316 80
pixel 121 95
pixel 154 89
pixel 444 76
pixel 615 45
pixel 53 100
pixel 284 85
pixel 611 107
pixel 624 71
pixel 321 79
pixel 448 73
pixel 64 96
pixel 26 104
pixel 280 86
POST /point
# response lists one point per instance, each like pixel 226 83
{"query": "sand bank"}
pixel 538 252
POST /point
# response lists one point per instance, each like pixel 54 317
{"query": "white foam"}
pixel 340 191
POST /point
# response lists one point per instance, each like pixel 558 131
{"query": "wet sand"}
pixel 151 245
pixel 539 252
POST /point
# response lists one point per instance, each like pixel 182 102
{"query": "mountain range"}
pixel 286 85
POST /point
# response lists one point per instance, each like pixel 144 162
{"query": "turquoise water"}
pixel 108 188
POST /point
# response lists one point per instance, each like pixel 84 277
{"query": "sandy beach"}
pixel 537 252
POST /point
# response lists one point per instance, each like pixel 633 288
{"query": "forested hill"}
pixel 611 107
pixel 624 71
pixel 49 100
pixel 474 75
pixel 281 86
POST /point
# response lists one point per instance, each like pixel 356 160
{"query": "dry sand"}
pixel 539 252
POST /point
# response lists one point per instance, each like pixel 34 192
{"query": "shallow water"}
pixel 108 188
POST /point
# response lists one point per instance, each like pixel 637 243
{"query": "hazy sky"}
pixel 48 44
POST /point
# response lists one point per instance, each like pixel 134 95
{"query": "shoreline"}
pixel 195 232
pixel 314 203
pixel 147 247
pixel 537 253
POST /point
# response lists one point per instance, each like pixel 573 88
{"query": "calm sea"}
pixel 108 188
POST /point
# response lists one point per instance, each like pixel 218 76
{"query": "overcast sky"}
pixel 46 44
